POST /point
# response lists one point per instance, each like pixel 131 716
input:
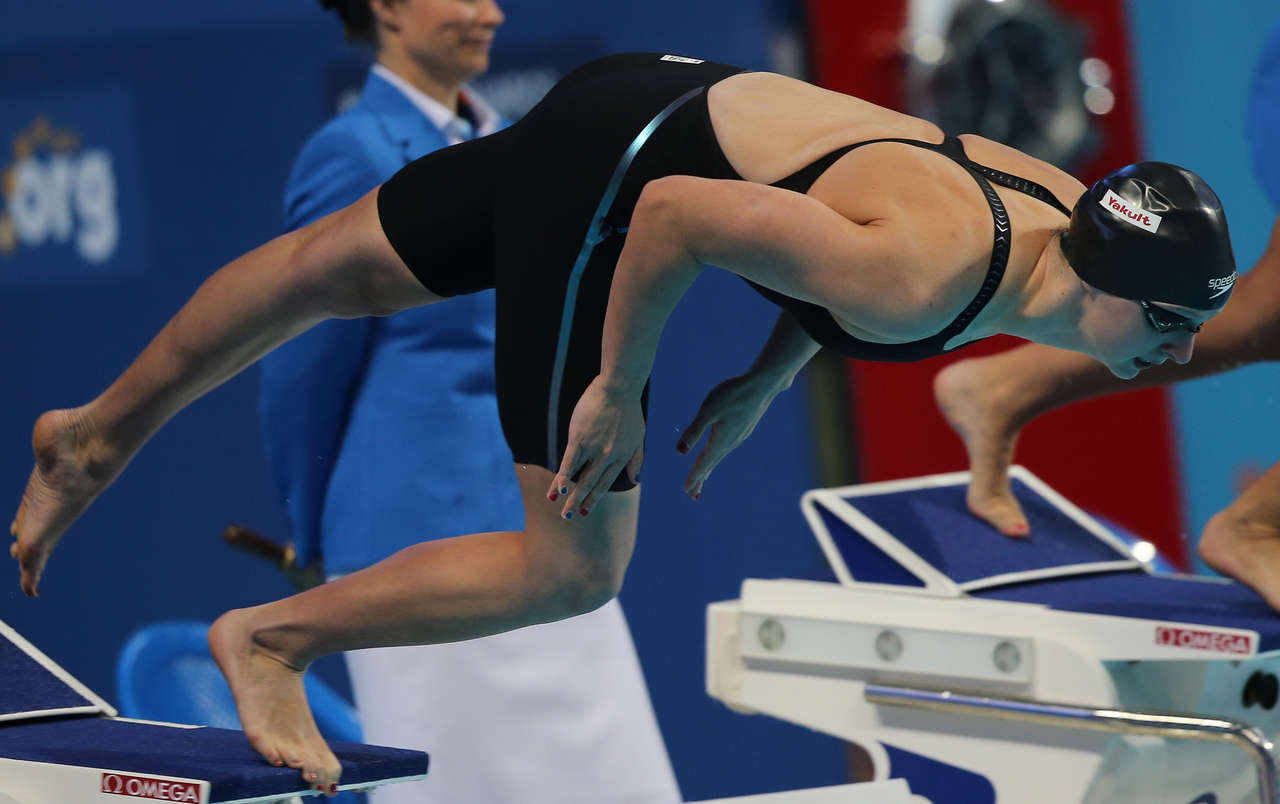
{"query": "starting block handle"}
pixel 1115 721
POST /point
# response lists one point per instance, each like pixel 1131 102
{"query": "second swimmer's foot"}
pixel 1246 550
pixel 271 701
pixel 72 466
pixel 967 398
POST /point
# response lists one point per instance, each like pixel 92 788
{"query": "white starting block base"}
pixel 1069 673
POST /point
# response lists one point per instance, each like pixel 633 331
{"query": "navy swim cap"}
pixel 1156 232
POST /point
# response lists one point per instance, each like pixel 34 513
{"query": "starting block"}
pixel 59 743
pixel 979 668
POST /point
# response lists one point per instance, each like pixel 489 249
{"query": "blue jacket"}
pixel 383 432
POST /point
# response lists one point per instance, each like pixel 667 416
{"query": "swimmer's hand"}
pixel 606 437
pixel 73 466
pixel 731 411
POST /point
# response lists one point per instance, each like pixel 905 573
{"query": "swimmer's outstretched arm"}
pixel 734 407
pixel 785 241
pixel 339 267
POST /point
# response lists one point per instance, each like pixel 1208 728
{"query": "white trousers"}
pixel 550 714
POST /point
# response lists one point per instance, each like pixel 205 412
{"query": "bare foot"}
pixel 271 701
pixel 967 394
pixel 1245 549
pixel 73 466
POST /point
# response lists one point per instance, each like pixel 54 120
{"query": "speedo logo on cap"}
pixel 1130 213
pixel 1222 284
pixel 681 59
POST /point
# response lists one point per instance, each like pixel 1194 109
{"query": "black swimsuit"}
pixel 538 211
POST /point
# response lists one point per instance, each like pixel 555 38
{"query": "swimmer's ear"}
pixel 633 466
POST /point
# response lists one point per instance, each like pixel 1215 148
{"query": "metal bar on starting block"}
pixel 1115 721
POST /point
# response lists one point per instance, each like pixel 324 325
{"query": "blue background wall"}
pixel 200 109
pixel 1195 62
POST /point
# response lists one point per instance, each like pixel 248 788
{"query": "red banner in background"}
pixel 1114 456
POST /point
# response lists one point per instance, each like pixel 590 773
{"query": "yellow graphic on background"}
pixel 41 135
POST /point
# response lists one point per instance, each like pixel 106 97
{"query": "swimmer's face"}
pixel 450 38
pixel 1127 337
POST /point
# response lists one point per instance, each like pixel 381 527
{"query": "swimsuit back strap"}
pixel 1001 243
pixel 1001 236
pixel 1024 186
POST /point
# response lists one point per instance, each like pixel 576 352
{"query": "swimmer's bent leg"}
pixel 438 591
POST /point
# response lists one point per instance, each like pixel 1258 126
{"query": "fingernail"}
pixel 582 511
pixel 333 788
pixel 553 496
pixel 696 496
pixel 564 489
pixel 682 448
pixel 568 515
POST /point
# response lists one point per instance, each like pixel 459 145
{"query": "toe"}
pixel 267 749
pixel 332 773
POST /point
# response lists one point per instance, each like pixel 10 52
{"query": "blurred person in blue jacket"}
pixel 370 425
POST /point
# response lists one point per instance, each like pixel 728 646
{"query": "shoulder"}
pixel 930 224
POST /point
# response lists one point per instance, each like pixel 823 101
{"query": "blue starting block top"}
pixel 222 756
pixel 48 717
pixel 35 687
pixel 918 535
